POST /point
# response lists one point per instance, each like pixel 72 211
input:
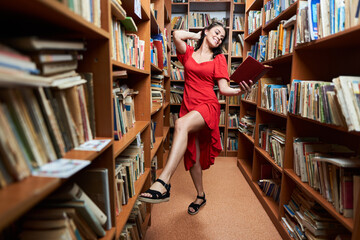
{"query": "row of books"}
pixel 154 168
pixel 127 47
pixel 232 141
pixel 273 8
pixel 234 100
pixel 176 93
pixel 247 124
pixel 238 22
pixel 177 73
pixel 133 227
pixel 233 120
pixel 272 140
pixel 124 109
pixel 173 117
pixel 271 188
pixel 237 48
pixel 157 90
pixel 335 102
pixel 317 19
pixel 252 94
pixel 199 19
pixel 89 10
pixel 306 219
pixel 279 42
pixel 274 97
pixel 158 50
pixel 329 169
pixel 78 210
pixel 222 117
pixel 180 22
pixel 129 166
pixel 152 133
pixel 254 20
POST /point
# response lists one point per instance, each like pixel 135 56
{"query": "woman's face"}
pixel 215 36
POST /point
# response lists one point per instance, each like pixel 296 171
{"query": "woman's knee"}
pixel 180 125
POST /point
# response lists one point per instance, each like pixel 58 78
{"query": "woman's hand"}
pixel 244 87
pixel 197 36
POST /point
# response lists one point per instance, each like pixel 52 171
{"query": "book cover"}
pixel 250 69
pixel 129 24
pixel 95 182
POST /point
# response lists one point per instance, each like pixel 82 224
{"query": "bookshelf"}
pixel 323 60
pixel 55 19
pixel 216 9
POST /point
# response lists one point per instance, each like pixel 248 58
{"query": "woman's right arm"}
pixel 180 37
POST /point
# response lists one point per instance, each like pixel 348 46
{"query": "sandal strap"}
pixel 166 186
pixel 194 206
pixel 203 197
pixel 154 194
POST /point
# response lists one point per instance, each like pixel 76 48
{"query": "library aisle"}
pixel 232 210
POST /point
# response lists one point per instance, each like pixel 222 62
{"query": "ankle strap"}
pixel 203 198
pixel 166 186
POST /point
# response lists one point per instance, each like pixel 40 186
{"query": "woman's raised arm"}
pixel 180 37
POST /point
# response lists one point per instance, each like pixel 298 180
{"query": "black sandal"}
pixel 156 196
pixel 195 206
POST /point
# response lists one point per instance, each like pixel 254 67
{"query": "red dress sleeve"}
pixel 221 68
pixel 184 57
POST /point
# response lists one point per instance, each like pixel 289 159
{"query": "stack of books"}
pixel 176 93
pixel 272 140
pixel 157 90
pixel 133 227
pixel 247 124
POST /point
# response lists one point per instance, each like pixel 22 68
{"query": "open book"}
pixel 249 69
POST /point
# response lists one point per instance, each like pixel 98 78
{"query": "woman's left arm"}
pixel 228 91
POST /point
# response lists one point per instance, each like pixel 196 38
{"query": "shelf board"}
pixel 256 5
pixel 266 155
pixel 270 206
pixel 157 143
pixel 284 15
pixel 110 234
pixel 345 39
pixel 116 12
pixel 155 108
pixel 248 102
pixel 166 130
pixel 175 104
pixel 54 12
pixel 281 59
pixel 248 137
pixel 222 103
pixel 129 68
pixel 245 168
pixel 272 112
pixel 19 197
pixel 144 225
pixel 172 80
pixel 222 125
pixel 166 104
pixel 254 35
pixel 155 26
pixel 347 222
pixel 155 68
pixel 236 57
pixel 86 155
pixel 234 105
pixel 238 31
pixel 128 5
pixel 332 126
pixel 122 218
pixel 173 56
pixel 233 128
pixel 129 137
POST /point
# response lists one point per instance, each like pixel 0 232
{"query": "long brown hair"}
pixel 218 50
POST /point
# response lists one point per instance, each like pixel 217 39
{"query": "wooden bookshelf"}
pixel 53 19
pixel 332 59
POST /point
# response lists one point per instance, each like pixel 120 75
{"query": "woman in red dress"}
pixel 196 134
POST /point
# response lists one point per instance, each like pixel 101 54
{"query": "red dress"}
pixel 199 95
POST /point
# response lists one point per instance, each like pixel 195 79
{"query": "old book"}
pixel 95 183
pixel 50 121
pixel 74 192
pixel 249 69
pixel 72 99
pixel 89 96
pixel 129 24
pixel 35 43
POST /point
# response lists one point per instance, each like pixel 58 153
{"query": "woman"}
pixel 198 125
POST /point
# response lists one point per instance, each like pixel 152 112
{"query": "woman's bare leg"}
pixel 196 175
pixel 191 122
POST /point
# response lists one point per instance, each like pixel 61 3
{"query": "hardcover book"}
pixel 250 69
